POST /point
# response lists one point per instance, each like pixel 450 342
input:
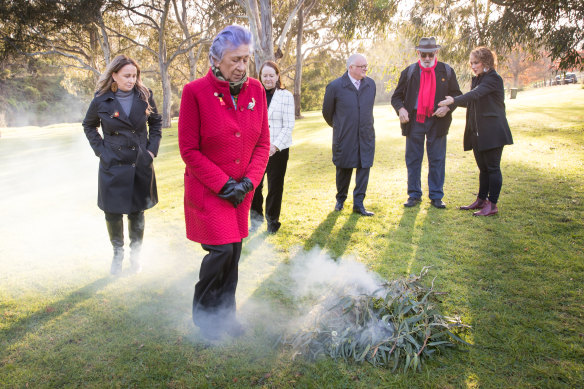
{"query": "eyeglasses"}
pixel 427 55
pixel 364 67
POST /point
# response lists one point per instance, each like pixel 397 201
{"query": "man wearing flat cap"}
pixel 415 99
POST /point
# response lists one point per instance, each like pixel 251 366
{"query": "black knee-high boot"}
pixel 115 228
pixel 136 224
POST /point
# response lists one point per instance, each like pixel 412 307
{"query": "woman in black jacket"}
pixel 123 107
pixel 487 130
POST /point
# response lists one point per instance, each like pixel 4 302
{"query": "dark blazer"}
pixel 350 113
pixel 485 114
pixel 126 180
pixel 406 95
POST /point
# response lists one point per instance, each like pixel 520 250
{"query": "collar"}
pixel 353 80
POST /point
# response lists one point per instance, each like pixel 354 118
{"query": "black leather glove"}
pixel 235 192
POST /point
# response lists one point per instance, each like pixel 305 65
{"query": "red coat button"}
pixel 237 161
pixel 238 134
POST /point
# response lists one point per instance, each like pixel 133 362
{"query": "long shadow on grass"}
pixel 20 328
pixel 336 243
pixel 400 242
pixel 513 277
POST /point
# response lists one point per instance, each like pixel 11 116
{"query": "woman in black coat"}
pixel 123 107
pixel 487 130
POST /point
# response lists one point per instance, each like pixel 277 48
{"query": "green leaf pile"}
pixel 398 326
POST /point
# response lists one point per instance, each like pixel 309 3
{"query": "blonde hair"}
pixel 104 84
pixel 485 56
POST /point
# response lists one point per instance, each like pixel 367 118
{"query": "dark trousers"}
pixel 490 177
pixel 343 181
pixel 115 224
pixel 436 149
pixel 215 292
pixel 276 170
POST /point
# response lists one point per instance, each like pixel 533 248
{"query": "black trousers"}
pixel 490 177
pixel 343 181
pixel 215 292
pixel 276 170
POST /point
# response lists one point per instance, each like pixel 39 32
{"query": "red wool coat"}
pixel 218 141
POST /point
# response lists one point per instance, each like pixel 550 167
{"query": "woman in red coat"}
pixel 224 141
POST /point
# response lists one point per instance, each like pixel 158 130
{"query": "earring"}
pixel 485 70
pixel 114 87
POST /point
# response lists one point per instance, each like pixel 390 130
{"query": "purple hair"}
pixel 229 38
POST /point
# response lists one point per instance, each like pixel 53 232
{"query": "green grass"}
pixel 517 278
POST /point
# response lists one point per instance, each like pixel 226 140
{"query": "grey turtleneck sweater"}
pixel 125 99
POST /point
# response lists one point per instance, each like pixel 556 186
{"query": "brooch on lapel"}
pixel 115 115
pixel 251 104
pixel 220 97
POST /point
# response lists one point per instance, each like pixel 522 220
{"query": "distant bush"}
pixel 4 74
pixel 34 100
pixel 30 92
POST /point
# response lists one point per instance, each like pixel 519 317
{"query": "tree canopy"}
pixel 169 38
pixel 556 24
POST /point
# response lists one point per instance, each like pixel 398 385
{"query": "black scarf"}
pixel 234 87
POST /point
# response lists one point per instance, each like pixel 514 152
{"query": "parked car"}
pixel 570 78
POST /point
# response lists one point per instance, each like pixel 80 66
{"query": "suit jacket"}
pixel 126 180
pixel 281 118
pixel 218 140
pixel 406 95
pixel 350 113
pixel 485 114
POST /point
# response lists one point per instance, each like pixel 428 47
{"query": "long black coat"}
pixel 350 113
pixel 485 114
pixel 126 180
pixel 406 95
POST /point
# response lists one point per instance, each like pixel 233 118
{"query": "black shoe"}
pixel 234 329
pixel 212 333
pixel 339 206
pixel 273 227
pixel 362 211
pixel 256 219
pixel 412 201
pixel 438 203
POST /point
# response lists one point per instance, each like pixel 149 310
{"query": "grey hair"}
pixel 352 58
pixel 229 38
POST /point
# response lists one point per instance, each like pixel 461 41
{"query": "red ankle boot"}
pixel 488 209
pixel 478 204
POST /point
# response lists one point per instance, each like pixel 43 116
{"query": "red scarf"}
pixel 427 92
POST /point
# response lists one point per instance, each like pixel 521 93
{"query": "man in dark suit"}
pixel 421 86
pixel 348 109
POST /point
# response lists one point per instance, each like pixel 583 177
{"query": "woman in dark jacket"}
pixel 487 130
pixel 123 107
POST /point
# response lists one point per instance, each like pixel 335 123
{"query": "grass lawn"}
pixel 516 278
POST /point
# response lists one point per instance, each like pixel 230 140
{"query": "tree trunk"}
pixel 164 65
pixel 166 95
pixel 260 24
pixel 298 74
pixel 104 41
pixel 192 64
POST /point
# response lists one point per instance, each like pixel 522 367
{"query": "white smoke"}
pixel 53 236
